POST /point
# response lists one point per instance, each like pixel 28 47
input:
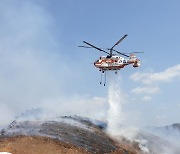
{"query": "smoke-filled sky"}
pixel 41 65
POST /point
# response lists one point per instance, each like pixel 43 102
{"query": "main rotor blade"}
pixel 132 52
pixel 119 41
pixel 120 53
pixel 96 47
pixel 81 46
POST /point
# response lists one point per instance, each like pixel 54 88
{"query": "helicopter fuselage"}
pixel 115 62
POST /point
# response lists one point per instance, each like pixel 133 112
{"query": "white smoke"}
pixel 27 57
pixel 6 114
pixel 92 107
pixel 120 126
pixel 34 71
pixel 170 133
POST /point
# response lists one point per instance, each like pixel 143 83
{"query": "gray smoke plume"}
pixel 27 56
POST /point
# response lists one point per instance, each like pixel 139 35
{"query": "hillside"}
pixel 65 135
pixel 75 135
pixel 37 145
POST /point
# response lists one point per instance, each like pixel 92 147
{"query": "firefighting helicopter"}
pixel 113 62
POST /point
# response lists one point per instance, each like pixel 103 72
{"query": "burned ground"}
pixel 75 135
pixel 63 136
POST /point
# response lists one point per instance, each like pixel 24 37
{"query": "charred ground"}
pixel 68 135
pixel 74 134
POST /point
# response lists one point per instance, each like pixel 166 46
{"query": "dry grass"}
pixel 37 145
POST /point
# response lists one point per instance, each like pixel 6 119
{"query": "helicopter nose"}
pixel 95 63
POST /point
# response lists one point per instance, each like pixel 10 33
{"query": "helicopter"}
pixel 113 61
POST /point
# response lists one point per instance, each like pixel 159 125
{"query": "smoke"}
pixel 92 107
pixel 27 56
pixel 121 128
pixel 6 114
pixel 34 71
pixel 170 133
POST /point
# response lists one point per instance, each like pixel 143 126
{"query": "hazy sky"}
pixel 41 65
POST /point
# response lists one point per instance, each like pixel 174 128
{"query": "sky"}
pixel 42 66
